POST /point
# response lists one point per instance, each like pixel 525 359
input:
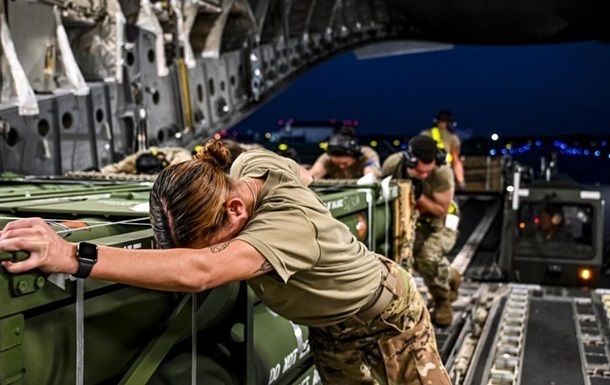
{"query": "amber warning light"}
pixel 585 274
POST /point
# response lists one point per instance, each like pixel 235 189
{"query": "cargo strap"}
pixel 383 296
pixel 436 135
pixel 80 331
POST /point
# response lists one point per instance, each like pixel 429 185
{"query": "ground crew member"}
pixel 346 159
pixel 442 133
pixel 149 161
pixel 436 230
pixel 368 322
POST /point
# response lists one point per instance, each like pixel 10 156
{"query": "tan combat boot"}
pixel 455 280
pixel 442 314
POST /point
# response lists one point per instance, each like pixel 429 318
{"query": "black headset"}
pixel 447 116
pixel 341 145
pixel 411 160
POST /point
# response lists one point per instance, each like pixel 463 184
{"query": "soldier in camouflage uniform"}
pixel 398 347
pixel 346 159
pixel 436 231
pixel 368 322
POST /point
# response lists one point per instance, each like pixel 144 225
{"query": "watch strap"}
pixel 86 255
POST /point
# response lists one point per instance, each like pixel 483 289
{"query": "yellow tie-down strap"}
pixel 436 135
pixel 453 208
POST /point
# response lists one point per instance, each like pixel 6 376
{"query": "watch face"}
pixel 87 252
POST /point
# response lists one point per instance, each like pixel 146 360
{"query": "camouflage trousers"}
pixel 431 245
pixel 397 347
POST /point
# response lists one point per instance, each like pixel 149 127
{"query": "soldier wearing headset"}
pixel 425 165
pixel 442 133
pixel 346 159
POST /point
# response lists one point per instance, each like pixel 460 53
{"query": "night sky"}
pixel 512 90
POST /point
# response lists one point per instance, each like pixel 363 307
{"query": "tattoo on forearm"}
pixel 219 247
pixel 265 267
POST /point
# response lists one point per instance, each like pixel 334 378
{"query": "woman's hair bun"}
pixel 214 152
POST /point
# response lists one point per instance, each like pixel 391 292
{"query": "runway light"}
pixel 396 142
pixel 373 143
pixel 522 225
pixel 494 137
pixel 585 274
pixel 283 147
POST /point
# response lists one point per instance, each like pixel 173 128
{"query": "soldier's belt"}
pixel 382 298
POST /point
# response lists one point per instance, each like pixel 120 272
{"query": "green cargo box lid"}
pixel 117 204
pixel 19 191
pixel 335 185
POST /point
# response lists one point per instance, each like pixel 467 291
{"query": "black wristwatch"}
pixel 86 255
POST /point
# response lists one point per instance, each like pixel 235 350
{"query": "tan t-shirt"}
pixel 394 165
pixel 323 274
pixel 440 180
pixel 450 140
pixel 369 158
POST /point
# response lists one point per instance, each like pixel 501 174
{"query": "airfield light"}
pixel 585 274
pixel 494 137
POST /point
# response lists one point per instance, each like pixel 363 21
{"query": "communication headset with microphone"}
pixel 341 145
pixel 411 160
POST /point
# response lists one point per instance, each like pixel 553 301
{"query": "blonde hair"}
pixel 187 199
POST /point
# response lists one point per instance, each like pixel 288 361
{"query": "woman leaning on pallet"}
pixel 368 323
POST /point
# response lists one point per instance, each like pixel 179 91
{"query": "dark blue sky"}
pixel 513 90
